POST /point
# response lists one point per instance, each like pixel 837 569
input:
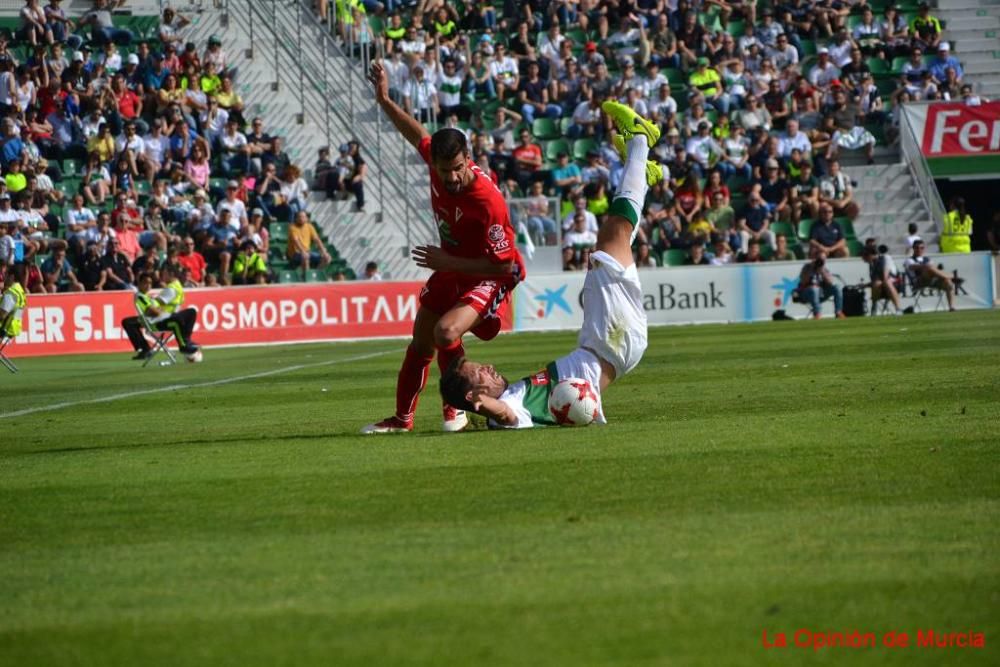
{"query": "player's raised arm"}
pixel 407 125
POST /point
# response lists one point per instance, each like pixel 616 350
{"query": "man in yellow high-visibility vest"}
pixel 14 300
pixel 957 232
pixel 163 311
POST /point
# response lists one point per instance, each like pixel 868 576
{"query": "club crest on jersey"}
pixel 540 378
pixel 496 234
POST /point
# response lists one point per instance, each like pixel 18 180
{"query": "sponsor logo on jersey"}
pixel 540 378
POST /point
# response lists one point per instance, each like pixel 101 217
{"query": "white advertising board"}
pixel 733 293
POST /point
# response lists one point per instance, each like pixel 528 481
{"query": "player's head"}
pixel 465 378
pixel 450 158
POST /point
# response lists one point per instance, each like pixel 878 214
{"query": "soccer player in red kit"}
pixel 475 267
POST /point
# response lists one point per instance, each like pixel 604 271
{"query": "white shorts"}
pixel 614 321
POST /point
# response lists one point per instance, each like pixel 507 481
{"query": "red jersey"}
pixel 475 223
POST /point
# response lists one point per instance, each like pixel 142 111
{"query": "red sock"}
pixel 446 355
pixel 411 381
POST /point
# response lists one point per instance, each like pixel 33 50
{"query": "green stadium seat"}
pixel 897 64
pixel 288 276
pixel 578 36
pixel 878 66
pixel 805 227
pixel 854 247
pixel 808 48
pixel 553 148
pixel 582 146
pixel 673 257
pixel 315 276
pixel 564 124
pixel 279 232
pixel 783 228
pixel 71 168
pixel 736 28
pixel 545 128
pixel 848 227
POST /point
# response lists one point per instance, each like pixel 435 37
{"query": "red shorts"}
pixel 444 291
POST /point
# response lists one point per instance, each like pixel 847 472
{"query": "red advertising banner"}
pixel 956 129
pixel 91 322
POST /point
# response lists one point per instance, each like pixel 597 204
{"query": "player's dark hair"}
pixel 454 386
pixel 446 143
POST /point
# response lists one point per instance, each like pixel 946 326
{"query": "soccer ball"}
pixel 573 402
pixel 195 357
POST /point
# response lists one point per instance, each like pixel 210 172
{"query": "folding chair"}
pixel 160 338
pixel 917 291
pixel 6 340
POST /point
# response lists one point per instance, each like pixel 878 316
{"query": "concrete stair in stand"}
pixel 889 202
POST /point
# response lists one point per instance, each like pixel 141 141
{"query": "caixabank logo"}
pixel 552 300
pixel 785 290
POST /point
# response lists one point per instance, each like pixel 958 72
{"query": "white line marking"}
pixel 179 387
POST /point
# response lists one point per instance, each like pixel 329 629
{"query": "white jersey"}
pixel 614 330
pixel 528 398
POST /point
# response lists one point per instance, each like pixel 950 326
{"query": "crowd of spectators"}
pixel 121 152
pixel 757 101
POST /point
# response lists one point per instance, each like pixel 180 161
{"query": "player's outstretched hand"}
pixel 379 79
pixel 431 257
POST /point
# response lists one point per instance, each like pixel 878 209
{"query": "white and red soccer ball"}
pixel 573 402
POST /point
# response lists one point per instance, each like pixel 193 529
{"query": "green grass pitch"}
pixel 832 476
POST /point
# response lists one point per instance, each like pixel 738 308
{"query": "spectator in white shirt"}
pixel 794 138
pixel 420 98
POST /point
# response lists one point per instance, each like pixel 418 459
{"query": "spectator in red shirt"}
pixel 193 261
pixel 527 161
pixel 128 104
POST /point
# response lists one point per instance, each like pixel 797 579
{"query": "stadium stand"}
pixel 842 75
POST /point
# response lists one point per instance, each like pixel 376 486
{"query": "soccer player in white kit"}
pixel 613 337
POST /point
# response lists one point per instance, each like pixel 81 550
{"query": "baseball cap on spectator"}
pixel 703 125
pixel 673 132
pixel 200 193
pixel 944 46
pixel 232 185
pixel 214 39
pixel 257 212
pixel 78 56
pixel 822 51
pixel 133 59
pixel 590 46
pixel 772 164
pixel 702 61
pixel 4 196
pixel 344 148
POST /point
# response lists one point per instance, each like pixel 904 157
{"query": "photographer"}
pixel 816 285
pixel 881 272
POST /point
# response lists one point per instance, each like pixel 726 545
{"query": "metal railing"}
pixel 326 78
pixel 915 161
